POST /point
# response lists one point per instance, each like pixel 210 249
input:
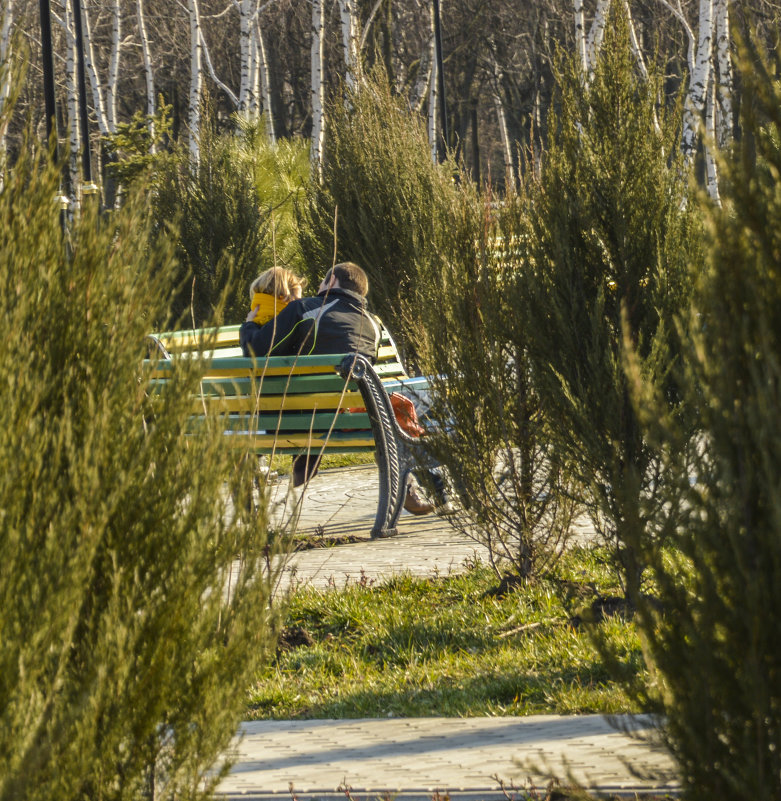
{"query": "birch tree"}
pixel 6 21
pixel 265 83
pixel 196 78
pixel 72 102
pixel 349 42
pixel 588 46
pixel 580 33
pixel 705 86
pixel 433 90
pixel 318 113
pixel 247 11
pixel 699 76
pixel 149 74
pixel 113 67
pixel 98 102
pixel 725 83
pixel 504 134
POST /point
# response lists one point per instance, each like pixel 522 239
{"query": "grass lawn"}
pixel 447 646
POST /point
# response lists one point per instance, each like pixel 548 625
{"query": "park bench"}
pixel 320 404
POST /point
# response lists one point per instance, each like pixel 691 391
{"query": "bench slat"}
pixel 338 442
pixel 290 402
pixel 270 385
pixel 298 421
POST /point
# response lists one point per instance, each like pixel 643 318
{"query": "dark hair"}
pixel 350 277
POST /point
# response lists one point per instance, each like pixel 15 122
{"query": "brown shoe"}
pixel 416 505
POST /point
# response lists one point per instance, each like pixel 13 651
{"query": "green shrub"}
pixel 715 648
pixel 472 339
pixel 281 173
pixel 222 231
pixel 135 596
pixel 381 196
pixel 611 244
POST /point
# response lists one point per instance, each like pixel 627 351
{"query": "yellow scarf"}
pixel 268 307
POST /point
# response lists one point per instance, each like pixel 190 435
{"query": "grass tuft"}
pixel 412 647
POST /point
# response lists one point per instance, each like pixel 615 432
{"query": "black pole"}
pixel 48 70
pixel 82 90
pixel 440 82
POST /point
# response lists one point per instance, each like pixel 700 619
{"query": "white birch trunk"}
pixel 711 171
pixel 507 147
pixel 113 69
pixel 148 71
pixel 596 34
pixel 580 33
pixel 265 84
pixel 196 79
pixel 318 113
pixel 433 91
pixel 420 90
pixel 92 74
pixel 349 42
pixel 5 72
pixel 698 81
pixel 636 51
pixel 206 57
pixel 72 99
pixel 725 86
pixel 678 13
pixel 254 75
pixel 245 46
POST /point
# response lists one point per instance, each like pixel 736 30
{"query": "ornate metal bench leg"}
pixel 393 487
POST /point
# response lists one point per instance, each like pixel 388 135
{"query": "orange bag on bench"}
pixel 403 411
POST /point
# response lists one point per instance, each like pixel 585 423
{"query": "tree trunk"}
pixel 507 147
pixel 97 89
pixel 196 79
pixel 245 47
pixel 148 72
pixel 5 76
pixel 72 104
pixel 711 170
pixel 725 85
pixel 596 33
pixel 580 33
pixel 205 56
pixel 698 81
pixel 318 113
pixel 265 84
pixel 113 70
pixel 420 90
pixel 433 93
pixel 349 43
pixel 638 53
pixel 253 106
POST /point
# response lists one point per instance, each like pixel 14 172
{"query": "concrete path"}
pixel 470 759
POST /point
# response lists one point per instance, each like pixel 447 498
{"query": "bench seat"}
pixel 335 403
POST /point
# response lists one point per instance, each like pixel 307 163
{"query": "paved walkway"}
pixel 469 759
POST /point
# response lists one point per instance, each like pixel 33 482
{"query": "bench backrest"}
pixel 277 404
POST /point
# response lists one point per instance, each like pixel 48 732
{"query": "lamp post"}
pixel 48 70
pixel 441 151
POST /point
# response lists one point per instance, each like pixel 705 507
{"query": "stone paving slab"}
pixel 417 759
pixel 342 504
pixel 422 757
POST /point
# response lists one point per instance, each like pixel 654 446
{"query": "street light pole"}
pixel 48 71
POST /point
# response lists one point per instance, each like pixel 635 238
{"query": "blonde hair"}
pixel 276 281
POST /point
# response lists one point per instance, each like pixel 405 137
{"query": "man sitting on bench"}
pixel 336 321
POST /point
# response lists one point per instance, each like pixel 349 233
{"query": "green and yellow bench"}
pixel 301 404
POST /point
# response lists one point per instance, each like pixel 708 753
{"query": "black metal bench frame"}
pixel 395 450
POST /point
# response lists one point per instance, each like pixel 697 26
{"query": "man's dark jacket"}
pixel 336 321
